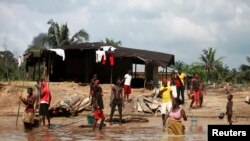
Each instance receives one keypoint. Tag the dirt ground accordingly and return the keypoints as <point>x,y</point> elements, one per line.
<point>67,128</point>
<point>214,101</point>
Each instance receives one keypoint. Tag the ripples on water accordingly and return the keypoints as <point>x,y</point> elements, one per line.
<point>149,131</point>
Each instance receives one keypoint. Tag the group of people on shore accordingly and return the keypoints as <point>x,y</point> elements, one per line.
<point>171,109</point>
<point>172,103</point>
<point>119,94</point>
<point>42,99</point>
<point>195,88</point>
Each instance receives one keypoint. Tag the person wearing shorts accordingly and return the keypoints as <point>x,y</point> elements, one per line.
<point>45,103</point>
<point>166,94</point>
<point>116,99</point>
<point>127,85</point>
<point>98,105</point>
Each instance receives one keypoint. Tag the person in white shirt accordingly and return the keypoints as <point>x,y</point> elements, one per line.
<point>127,85</point>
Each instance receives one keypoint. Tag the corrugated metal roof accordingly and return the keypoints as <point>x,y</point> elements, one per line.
<point>159,58</point>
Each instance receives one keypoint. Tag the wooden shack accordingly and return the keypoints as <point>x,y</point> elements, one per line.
<point>80,63</point>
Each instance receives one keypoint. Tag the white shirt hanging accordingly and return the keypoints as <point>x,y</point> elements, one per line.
<point>59,52</point>
<point>20,61</point>
<point>99,55</point>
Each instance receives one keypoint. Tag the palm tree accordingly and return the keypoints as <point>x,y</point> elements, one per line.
<point>246,69</point>
<point>59,35</point>
<point>209,61</point>
<point>222,73</point>
<point>179,64</point>
<point>112,42</point>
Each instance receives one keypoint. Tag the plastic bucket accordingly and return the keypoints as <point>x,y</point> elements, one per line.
<point>90,119</point>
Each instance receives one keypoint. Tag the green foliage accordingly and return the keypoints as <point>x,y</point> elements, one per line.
<point>194,68</point>
<point>179,64</point>
<point>59,35</point>
<point>245,70</point>
<point>208,61</point>
<point>8,66</point>
<point>218,72</point>
<point>111,42</point>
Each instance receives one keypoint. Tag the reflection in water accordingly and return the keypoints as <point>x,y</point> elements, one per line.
<point>148,131</point>
<point>47,136</point>
<point>31,136</point>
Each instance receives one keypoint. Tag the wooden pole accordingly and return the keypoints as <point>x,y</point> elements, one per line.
<point>145,75</point>
<point>111,77</point>
<point>39,67</point>
<point>49,68</point>
<point>167,72</point>
<point>135,70</point>
<point>34,72</point>
<point>19,105</point>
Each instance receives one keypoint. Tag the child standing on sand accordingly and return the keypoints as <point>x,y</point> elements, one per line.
<point>229,108</point>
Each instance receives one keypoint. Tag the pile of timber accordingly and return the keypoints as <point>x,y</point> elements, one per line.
<point>70,106</point>
<point>147,104</point>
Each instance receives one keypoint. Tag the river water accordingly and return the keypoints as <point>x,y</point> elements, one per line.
<point>72,129</point>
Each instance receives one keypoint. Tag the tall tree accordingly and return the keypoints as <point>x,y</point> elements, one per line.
<point>112,42</point>
<point>59,35</point>
<point>179,64</point>
<point>8,65</point>
<point>209,61</point>
<point>222,73</point>
<point>245,69</point>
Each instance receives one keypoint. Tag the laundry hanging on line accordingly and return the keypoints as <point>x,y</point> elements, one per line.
<point>105,54</point>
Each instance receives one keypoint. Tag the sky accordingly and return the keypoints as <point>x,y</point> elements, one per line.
<point>179,27</point>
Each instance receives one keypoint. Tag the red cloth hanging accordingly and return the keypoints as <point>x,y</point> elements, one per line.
<point>111,59</point>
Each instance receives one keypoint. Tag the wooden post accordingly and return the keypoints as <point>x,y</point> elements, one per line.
<point>34,72</point>
<point>135,70</point>
<point>145,75</point>
<point>49,69</point>
<point>111,76</point>
<point>39,67</point>
<point>167,72</point>
<point>87,67</point>
<point>19,105</point>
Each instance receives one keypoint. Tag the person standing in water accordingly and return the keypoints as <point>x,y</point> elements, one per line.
<point>116,99</point>
<point>98,105</point>
<point>166,104</point>
<point>29,113</point>
<point>174,117</point>
<point>45,100</point>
